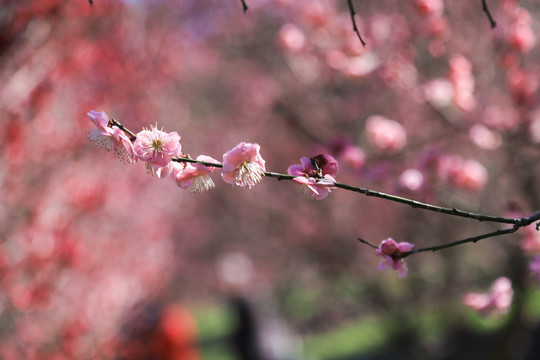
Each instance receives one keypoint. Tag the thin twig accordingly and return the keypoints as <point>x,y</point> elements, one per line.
<point>355,28</point>
<point>490,18</point>
<point>244,6</point>
<point>367,243</point>
<point>473,239</point>
<point>429,207</point>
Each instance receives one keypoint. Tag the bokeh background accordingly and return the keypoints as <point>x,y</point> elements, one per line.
<point>99,259</point>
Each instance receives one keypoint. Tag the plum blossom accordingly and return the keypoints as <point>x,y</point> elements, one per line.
<point>385,134</point>
<point>194,176</point>
<point>243,165</point>
<point>157,147</point>
<point>110,138</point>
<point>496,301</point>
<point>315,176</point>
<point>391,252</point>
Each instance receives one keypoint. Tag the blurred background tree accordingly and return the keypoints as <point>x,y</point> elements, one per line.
<point>438,107</point>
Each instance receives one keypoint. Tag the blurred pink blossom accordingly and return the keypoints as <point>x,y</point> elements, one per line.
<point>484,138</point>
<point>391,252</point>
<point>461,77</point>
<point>157,147</point>
<point>429,7</point>
<point>385,134</point>
<point>194,175</point>
<point>468,174</point>
<point>531,241</point>
<point>110,138</point>
<point>439,92</point>
<point>243,165</point>
<point>496,301</point>
<point>534,266</point>
<point>411,180</point>
<point>291,37</point>
<point>519,35</point>
<point>316,175</point>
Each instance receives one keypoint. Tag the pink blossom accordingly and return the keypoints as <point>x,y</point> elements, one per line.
<point>496,301</point>
<point>461,77</point>
<point>315,176</point>
<point>156,147</point>
<point>429,7</point>
<point>194,176</point>
<point>385,134</point>
<point>484,138</point>
<point>243,165</point>
<point>411,180</point>
<point>535,266</point>
<point>521,37</point>
<point>468,174</point>
<point>110,138</point>
<point>291,37</point>
<point>391,252</point>
<point>531,242</point>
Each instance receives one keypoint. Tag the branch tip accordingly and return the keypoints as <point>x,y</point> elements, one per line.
<point>485,8</point>
<point>244,6</point>
<point>355,28</point>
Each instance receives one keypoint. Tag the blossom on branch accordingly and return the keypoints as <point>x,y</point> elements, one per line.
<point>496,301</point>
<point>157,147</point>
<point>243,165</point>
<point>391,252</point>
<point>315,176</point>
<point>195,176</point>
<point>110,138</point>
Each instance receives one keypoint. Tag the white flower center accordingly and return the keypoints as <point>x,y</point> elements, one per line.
<point>248,174</point>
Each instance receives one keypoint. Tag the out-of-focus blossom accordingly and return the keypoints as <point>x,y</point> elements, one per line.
<point>411,180</point>
<point>461,77</point>
<point>501,118</point>
<point>534,266</point>
<point>195,176</point>
<point>291,37</point>
<point>429,7</point>
<point>521,84</point>
<point>243,165</point>
<point>316,176</point>
<point>496,301</point>
<point>534,128</point>
<point>385,134</point>
<point>342,149</point>
<point>519,35</point>
<point>110,138</point>
<point>157,147</point>
<point>468,174</point>
<point>531,241</point>
<point>439,92</point>
<point>484,138</point>
<point>391,251</point>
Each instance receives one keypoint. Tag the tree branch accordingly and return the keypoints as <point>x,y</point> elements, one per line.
<point>355,28</point>
<point>492,22</point>
<point>244,6</point>
<point>517,222</point>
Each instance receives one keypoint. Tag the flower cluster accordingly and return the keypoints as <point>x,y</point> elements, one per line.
<point>315,176</point>
<point>391,252</point>
<point>496,301</point>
